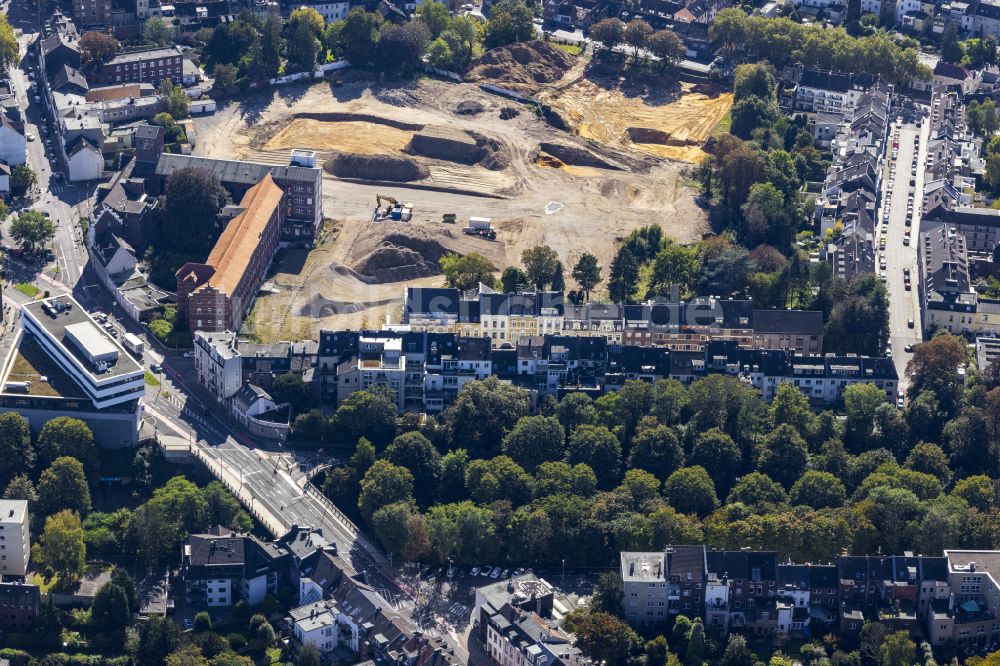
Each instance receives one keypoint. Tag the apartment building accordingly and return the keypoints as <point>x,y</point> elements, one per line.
<point>142,66</point>
<point>519,623</point>
<point>89,375</point>
<point>946,297</point>
<point>820,91</point>
<point>15,540</point>
<point>217,363</point>
<point>218,294</point>
<point>20,604</point>
<point>222,567</point>
<point>680,326</point>
<point>301,181</point>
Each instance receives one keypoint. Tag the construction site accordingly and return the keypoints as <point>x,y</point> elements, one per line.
<point>409,168</point>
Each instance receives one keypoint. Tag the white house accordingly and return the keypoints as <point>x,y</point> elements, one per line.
<point>12,141</point>
<point>330,11</point>
<point>316,624</point>
<point>84,160</point>
<point>15,542</point>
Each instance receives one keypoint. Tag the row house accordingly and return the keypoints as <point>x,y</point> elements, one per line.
<point>751,593</point>
<point>221,567</point>
<point>824,91</point>
<point>679,325</point>
<point>946,297</point>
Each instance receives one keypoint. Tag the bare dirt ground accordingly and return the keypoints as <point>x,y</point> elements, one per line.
<point>673,122</point>
<point>358,273</point>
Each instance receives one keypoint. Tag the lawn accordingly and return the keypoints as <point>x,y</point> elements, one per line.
<point>151,380</point>
<point>725,123</point>
<point>44,587</point>
<point>572,49</point>
<point>28,290</point>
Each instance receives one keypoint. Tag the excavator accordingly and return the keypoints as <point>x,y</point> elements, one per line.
<point>393,210</point>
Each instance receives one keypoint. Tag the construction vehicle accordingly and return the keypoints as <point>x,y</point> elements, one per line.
<point>482,227</point>
<point>449,218</point>
<point>393,210</point>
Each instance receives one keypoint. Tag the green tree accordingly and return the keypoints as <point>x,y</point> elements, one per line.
<point>8,45</point>
<point>694,653</point>
<point>605,638</point>
<point>184,502</point>
<point>750,114</point>
<point>66,436</point>
<point>466,272</point>
<point>513,279</point>
<point>929,459</point>
<point>31,229</point>
<point>224,80</point>
<point>173,100</point>
<point>157,638</point>
<point>463,531</point>
<point>390,524</point>
<point>690,490</point>
<point>860,403</point>
<point>155,31</point>
<point>587,273</point>
<point>303,45</point>
<point>359,36</point>
<point>667,46</point>
<point>370,414</point>
<point>110,612</point>
<point>951,50</point>
<point>675,267</point>
<point>609,595</point>
<point>510,21</point>
<point>482,413</point>
<point>540,263</point>
<point>261,633</point>
<point>757,491</point>
<point>499,478</point>
<point>95,48</point>
<point>718,454</point>
<point>63,486</point>
<point>384,484</point>
<point>534,440</point>
<point>222,508</point>
<point>819,490</point>
<point>17,455</point>
<point>435,15</point>
<point>897,650</point>
<point>61,546</point>
<point>790,406</point>
<point>609,33</point>
<point>783,456</point>
<point>416,453</point>
<point>656,651</point>
<point>753,80</point>
<point>637,34</point>
<point>934,366</point>
<point>20,487</point>
<point>22,177</point>
<point>977,491</point>
<point>737,652</point>
<point>291,388</point>
<point>194,199</point>
<point>554,478</point>
<point>656,449</point>
<point>597,448</point>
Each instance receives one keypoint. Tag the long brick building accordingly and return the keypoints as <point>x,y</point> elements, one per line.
<point>218,294</point>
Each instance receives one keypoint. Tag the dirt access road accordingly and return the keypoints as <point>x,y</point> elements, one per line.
<point>358,273</point>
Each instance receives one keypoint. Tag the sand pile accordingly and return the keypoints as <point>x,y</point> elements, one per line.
<point>576,156</point>
<point>401,257</point>
<point>525,62</point>
<point>376,167</point>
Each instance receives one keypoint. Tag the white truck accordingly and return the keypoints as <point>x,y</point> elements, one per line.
<point>133,343</point>
<point>482,227</point>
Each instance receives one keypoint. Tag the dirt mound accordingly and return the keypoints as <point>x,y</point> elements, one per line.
<point>469,107</point>
<point>468,148</point>
<point>336,117</point>
<point>376,167</point>
<point>441,144</point>
<point>576,156</point>
<point>320,306</point>
<point>400,257</point>
<point>509,112</point>
<point>525,62</point>
<point>648,135</point>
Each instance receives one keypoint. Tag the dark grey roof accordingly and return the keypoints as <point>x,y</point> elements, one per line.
<point>806,322</point>
<point>232,171</point>
<point>69,76</point>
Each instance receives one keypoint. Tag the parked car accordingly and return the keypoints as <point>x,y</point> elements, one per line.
<point>474,572</point>
<point>156,367</point>
<point>908,349</point>
<point>485,571</point>
<point>189,354</point>
<point>909,323</point>
<point>496,572</point>
<point>505,573</point>
<point>518,571</point>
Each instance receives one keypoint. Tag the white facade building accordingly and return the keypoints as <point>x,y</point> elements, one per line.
<point>218,363</point>
<point>15,541</point>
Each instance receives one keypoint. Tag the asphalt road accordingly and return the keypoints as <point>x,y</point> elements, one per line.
<point>903,305</point>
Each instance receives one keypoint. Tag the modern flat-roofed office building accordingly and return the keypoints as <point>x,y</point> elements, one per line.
<point>65,364</point>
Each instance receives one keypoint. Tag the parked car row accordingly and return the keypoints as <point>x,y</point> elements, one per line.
<point>495,572</point>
